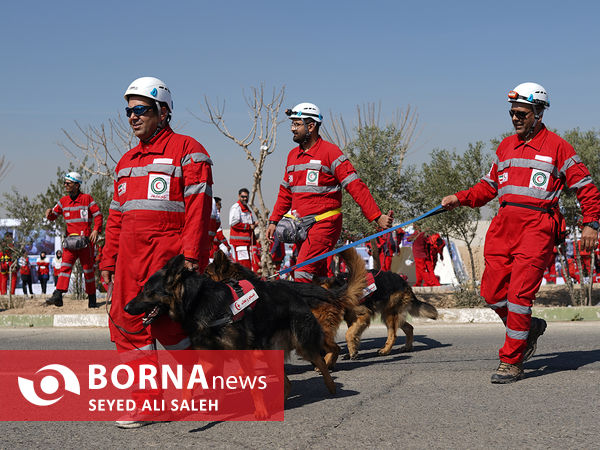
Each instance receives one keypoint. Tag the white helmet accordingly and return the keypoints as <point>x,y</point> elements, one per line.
<point>531,94</point>
<point>305,111</point>
<point>152,88</point>
<point>75,177</point>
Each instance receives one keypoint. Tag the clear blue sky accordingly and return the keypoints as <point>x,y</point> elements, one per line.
<point>67,61</point>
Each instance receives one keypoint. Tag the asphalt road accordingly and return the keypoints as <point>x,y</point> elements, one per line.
<point>438,396</point>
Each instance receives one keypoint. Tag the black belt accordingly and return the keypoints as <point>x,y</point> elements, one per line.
<point>523,205</point>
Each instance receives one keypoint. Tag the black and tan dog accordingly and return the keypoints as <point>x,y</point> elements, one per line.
<point>280,320</point>
<point>392,299</point>
<point>329,312</point>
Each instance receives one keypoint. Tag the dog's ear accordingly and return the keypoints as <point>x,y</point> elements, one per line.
<point>221,262</point>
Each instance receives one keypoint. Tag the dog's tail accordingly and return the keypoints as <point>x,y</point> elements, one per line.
<point>417,308</point>
<point>357,278</point>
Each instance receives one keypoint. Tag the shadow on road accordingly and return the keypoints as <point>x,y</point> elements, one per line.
<point>559,362</point>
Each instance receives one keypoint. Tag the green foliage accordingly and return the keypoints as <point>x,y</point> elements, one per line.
<point>375,155</point>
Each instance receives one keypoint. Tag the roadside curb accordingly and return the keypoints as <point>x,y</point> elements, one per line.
<point>446,315</point>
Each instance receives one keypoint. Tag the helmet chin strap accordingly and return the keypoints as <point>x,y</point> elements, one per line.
<point>160,126</point>
<point>537,117</point>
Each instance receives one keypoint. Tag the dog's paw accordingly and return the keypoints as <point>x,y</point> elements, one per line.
<point>383,352</point>
<point>405,349</point>
<point>261,414</point>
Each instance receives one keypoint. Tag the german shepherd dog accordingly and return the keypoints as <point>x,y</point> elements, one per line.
<point>392,299</point>
<point>328,312</point>
<point>280,320</point>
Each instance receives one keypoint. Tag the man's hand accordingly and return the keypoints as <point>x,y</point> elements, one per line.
<point>271,231</point>
<point>385,220</point>
<point>450,202</point>
<point>47,215</point>
<point>589,239</point>
<point>94,237</point>
<point>107,276</point>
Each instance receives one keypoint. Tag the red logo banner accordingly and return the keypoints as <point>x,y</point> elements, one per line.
<point>190,385</point>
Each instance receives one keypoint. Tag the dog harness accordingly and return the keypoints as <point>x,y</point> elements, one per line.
<point>371,287</point>
<point>243,295</point>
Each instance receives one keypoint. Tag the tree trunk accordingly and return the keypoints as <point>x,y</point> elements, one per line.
<point>472,259</point>
<point>564,269</point>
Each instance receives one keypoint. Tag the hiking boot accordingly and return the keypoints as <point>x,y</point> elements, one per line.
<point>536,329</point>
<point>56,299</point>
<point>507,373</point>
<point>92,301</point>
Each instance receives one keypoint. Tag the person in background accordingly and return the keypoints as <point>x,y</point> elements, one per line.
<point>241,229</point>
<point>25,270</point>
<point>43,269</point>
<point>55,265</point>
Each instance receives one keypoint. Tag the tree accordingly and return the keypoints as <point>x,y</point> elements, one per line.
<point>262,135</point>
<point>446,173</point>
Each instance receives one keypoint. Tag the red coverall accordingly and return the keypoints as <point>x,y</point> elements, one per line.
<point>388,247</point>
<point>436,247</point>
<point>423,265</point>
<point>312,184</point>
<point>78,214</point>
<point>5,263</point>
<point>241,234</point>
<point>217,241</point>
<point>520,241</point>
<point>161,207</point>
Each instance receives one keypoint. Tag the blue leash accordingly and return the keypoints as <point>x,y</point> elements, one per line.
<point>437,210</point>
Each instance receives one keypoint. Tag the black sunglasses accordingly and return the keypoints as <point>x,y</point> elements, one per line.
<point>138,110</point>
<point>521,115</point>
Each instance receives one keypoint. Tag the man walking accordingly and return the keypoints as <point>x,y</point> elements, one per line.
<point>529,173</point>
<point>161,208</point>
<point>79,211</point>
<point>241,229</point>
<point>315,173</point>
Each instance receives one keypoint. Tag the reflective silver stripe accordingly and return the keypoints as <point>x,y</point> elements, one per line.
<point>518,309</point>
<point>132,355</point>
<point>583,182</point>
<point>239,238</point>
<point>315,189</point>
<point>528,192</point>
<point>298,275</point>
<point>65,265</point>
<point>96,213</point>
<point>115,206</point>
<point>76,220</point>
<point>520,335</point>
<point>285,184</point>
<point>59,204</point>
<point>153,205</point>
<point>196,157</point>
<point>181,345</point>
<point>529,164</point>
<point>349,179</point>
<point>308,166</point>
<point>74,208</point>
<point>88,271</point>
<point>337,162</point>
<point>201,188</point>
<point>500,304</point>
<point>490,182</point>
<point>573,160</point>
<point>67,275</point>
<point>167,169</point>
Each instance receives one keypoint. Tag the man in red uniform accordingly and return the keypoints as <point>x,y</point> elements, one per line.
<point>79,210</point>
<point>8,268</point>
<point>316,171</point>
<point>529,173</point>
<point>241,230</point>
<point>161,207</point>
<point>388,247</point>
<point>422,256</point>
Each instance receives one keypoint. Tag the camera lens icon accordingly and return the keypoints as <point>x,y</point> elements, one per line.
<point>49,385</point>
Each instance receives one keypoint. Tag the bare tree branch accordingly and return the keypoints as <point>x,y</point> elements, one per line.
<point>263,131</point>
